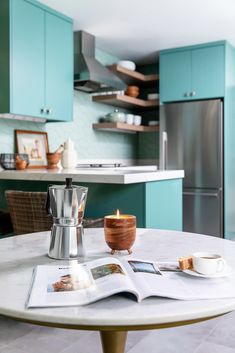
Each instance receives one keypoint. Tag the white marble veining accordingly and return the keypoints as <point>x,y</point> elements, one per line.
<point>107,176</point>
<point>18,256</point>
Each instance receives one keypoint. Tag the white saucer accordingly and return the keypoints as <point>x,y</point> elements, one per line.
<point>226,272</point>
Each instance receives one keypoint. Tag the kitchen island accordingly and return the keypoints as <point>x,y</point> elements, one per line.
<point>118,175</point>
<point>153,196</point>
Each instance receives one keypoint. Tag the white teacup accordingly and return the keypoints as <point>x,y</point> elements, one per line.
<point>207,263</point>
<point>137,119</point>
<point>130,119</point>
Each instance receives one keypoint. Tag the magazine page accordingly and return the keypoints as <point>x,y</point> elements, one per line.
<point>194,287</point>
<point>165,279</point>
<point>157,279</point>
<point>209,288</point>
<point>79,284</point>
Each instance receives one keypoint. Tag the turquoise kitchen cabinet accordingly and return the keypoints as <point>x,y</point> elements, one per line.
<point>175,75</point>
<point>59,69</point>
<point>192,73</point>
<point>36,59</point>
<point>156,204</point>
<point>27,62</point>
<point>164,204</point>
<point>208,72</point>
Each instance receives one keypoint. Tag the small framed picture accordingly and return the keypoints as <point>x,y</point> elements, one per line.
<point>35,144</point>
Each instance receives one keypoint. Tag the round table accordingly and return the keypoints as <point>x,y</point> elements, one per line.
<point>116,315</point>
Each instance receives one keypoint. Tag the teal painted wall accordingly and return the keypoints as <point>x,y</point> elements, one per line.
<point>7,127</point>
<point>103,199</point>
<point>148,144</point>
<point>89,143</point>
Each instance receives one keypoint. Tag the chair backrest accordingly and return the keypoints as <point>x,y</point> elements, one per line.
<point>93,222</point>
<point>27,210</point>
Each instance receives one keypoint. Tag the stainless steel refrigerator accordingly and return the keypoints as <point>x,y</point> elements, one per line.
<point>191,138</point>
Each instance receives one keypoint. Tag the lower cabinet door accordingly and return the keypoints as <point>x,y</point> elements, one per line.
<point>59,68</point>
<point>203,211</point>
<point>163,204</point>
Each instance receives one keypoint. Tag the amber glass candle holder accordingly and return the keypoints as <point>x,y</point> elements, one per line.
<point>120,232</point>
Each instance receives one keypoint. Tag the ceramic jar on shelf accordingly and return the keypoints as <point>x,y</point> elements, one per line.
<point>115,117</point>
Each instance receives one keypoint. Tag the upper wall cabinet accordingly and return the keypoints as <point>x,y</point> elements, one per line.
<point>194,73</point>
<point>59,68</point>
<point>36,59</point>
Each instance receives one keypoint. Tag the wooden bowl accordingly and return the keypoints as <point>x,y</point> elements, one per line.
<point>132,91</point>
<point>131,88</point>
<point>52,160</point>
<point>120,232</point>
<point>21,165</point>
<point>132,94</point>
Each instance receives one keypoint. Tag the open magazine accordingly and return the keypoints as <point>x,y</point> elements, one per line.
<point>91,281</point>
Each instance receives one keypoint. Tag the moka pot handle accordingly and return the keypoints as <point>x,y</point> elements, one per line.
<point>48,202</point>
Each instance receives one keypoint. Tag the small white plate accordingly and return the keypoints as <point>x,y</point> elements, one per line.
<point>226,272</point>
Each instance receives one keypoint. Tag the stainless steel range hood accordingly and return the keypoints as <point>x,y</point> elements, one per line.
<point>89,74</point>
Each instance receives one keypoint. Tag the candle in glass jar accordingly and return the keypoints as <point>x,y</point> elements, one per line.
<point>120,231</point>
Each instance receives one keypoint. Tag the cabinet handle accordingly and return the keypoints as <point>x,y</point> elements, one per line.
<point>42,110</point>
<point>48,110</point>
<point>187,94</point>
<point>193,93</point>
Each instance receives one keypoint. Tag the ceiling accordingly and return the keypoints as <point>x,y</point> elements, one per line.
<point>137,29</point>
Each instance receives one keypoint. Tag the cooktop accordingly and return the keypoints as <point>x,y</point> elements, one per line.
<point>100,165</point>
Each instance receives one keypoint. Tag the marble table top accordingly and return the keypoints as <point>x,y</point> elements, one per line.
<point>19,254</point>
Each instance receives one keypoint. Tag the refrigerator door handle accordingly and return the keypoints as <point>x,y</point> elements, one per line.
<point>164,150</point>
<point>201,194</point>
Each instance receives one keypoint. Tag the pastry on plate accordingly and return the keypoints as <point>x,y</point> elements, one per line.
<point>186,263</point>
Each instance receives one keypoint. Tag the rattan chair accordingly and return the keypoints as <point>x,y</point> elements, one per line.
<point>5,223</point>
<point>93,222</point>
<point>28,214</point>
<point>27,210</point>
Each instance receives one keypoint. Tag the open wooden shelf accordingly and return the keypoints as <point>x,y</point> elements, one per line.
<point>123,127</point>
<point>124,101</point>
<point>127,102</point>
<point>134,77</point>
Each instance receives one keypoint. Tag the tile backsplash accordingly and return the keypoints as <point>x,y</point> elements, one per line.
<point>91,143</point>
<point>7,128</point>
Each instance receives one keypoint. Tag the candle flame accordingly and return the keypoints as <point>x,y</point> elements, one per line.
<point>118,214</point>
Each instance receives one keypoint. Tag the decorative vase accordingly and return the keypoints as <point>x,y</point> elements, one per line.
<point>69,155</point>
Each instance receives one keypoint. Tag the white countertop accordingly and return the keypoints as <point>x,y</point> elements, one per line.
<point>19,255</point>
<point>123,175</point>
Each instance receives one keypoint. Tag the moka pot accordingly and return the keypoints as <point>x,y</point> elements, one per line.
<point>66,203</point>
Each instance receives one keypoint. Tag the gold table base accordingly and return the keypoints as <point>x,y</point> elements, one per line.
<point>113,341</point>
